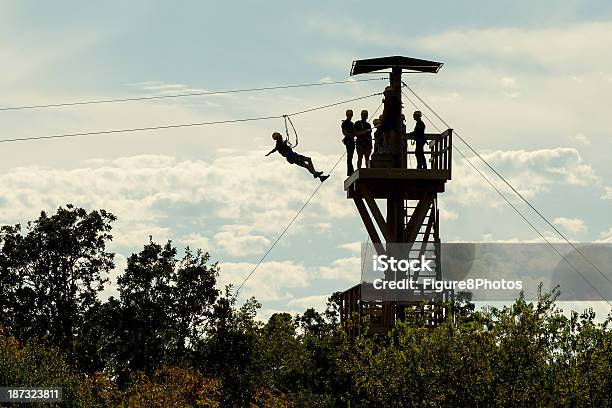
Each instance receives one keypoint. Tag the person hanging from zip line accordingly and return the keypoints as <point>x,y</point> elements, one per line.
<point>285,150</point>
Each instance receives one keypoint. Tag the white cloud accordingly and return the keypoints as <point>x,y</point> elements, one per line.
<point>236,240</point>
<point>607,194</point>
<point>346,269</point>
<point>555,47</point>
<point>573,225</point>
<point>271,281</point>
<point>197,241</point>
<point>324,227</point>
<point>510,87</point>
<point>317,302</point>
<point>111,287</point>
<point>135,233</point>
<point>142,191</point>
<point>601,308</point>
<point>582,139</point>
<point>490,239</point>
<point>264,314</point>
<point>513,94</point>
<point>162,88</point>
<point>563,161</point>
<point>606,237</point>
<point>446,213</point>
<point>530,172</point>
<point>354,247</point>
<point>491,68</point>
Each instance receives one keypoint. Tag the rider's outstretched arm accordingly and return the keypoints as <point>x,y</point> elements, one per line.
<point>271,151</point>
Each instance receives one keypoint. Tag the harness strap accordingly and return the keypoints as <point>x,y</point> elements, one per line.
<point>287,139</point>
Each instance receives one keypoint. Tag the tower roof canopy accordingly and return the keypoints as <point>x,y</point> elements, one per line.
<point>365,66</point>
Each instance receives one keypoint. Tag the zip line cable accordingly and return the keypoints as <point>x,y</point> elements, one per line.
<point>365,253</point>
<point>316,190</point>
<point>334,104</point>
<point>377,109</point>
<point>183,125</point>
<point>534,228</point>
<point>142,129</point>
<point>475,168</point>
<point>182,95</point>
<point>512,187</point>
<point>515,208</point>
<point>214,123</point>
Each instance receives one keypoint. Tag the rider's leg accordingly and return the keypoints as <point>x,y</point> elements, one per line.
<point>307,163</point>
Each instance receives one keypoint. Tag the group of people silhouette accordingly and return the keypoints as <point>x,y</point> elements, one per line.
<point>358,136</point>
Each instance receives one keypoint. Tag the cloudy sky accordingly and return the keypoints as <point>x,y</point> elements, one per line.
<point>526,83</point>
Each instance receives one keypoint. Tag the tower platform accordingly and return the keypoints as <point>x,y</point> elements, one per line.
<point>410,182</point>
<point>399,205</point>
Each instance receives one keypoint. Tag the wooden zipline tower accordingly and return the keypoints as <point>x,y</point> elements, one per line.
<point>411,198</point>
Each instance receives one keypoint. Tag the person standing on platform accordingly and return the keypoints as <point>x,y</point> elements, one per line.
<point>385,146</point>
<point>392,111</point>
<point>363,134</point>
<point>419,140</point>
<point>404,134</point>
<point>348,132</point>
<point>378,136</point>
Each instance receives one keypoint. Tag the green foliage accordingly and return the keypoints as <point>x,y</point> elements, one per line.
<point>173,339</point>
<point>524,355</point>
<point>171,387</point>
<point>228,350</point>
<point>163,308</point>
<point>37,365</point>
<point>51,274</point>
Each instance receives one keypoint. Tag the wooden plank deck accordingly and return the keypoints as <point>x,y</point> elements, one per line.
<point>398,175</point>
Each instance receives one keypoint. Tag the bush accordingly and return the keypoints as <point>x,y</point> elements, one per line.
<point>37,365</point>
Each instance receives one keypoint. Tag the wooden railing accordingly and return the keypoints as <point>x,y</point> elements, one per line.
<point>355,311</point>
<point>440,149</point>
